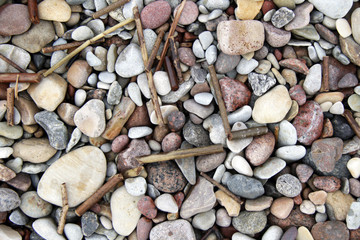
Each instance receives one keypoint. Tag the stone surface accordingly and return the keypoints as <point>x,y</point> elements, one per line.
<point>248,9</point>
<point>173,230</point>
<point>272,106</point>
<point>276,37</point>
<point>35,150</point>
<point>245,186</point>
<point>270,168</point>
<point>130,63</point>
<point>296,218</point>
<point>126,159</point>
<point>327,183</point>
<point>9,199</point>
<point>232,207</point>
<point>196,135</point>
<point>78,73</point>
<point>330,230</point>
<point>312,81</point>
<point>353,217</point>
<point>260,83</point>
<point>333,8</point>
<point>282,207</point>
<point>250,222</point>
<point>74,168</point>
<point>350,48</point>
<point>240,37</point>
<point>14,19</point>
<point>46,228</point>
<point>54,10</point>
<point>235,94</point>
<point>147,207</point>
<point>338,205</point>
<point>135,186</point>
<point>282,17</point>
<point>155,14</point>
<point>288,185</point>
<point>89,223</point>
<point>189,13</point>
<point>260,149</point>
<point>33,206</point>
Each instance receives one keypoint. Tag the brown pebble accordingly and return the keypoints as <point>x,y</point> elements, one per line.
<point>139,117</point>
<point>328,129</point>
<point>281,207</point>
<point>160,132</point>
<point>296,218</point>
<point>119,143</point>
<point>260,149</point>
<point>330,230</point>
<point>327,183</point>
<point>171,142</point>
<point>22,182</point>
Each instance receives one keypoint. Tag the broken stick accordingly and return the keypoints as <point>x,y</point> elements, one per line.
<point>10,62</point>
<point>109,8</point>
<point>33,11</point>
<point>175,58</point>
<point>154,51</point>
<point>67,46</point>
<point>250,132</point>
<point>20,77</point>
<point>10,99</point>
<point>65,209</point>
<point>353,124</point>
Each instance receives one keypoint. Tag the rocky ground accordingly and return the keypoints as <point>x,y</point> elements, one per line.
<point>287,70</point>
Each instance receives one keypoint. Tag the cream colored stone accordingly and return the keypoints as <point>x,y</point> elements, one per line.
<point>54,10</point>
<point>248,9</point>
<point>34,150</point>
<point>7,233</point>
<point>304,234</point>
<point>232,207</point>
<point>343,27</point>
<point>165,111</point>
<point>354,167</point>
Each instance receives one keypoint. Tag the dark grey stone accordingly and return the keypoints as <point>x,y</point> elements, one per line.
<point>225,63</point>
<point>196,135</point>
<point>55,129</point>
<point>282,17</point>
<point>244,186</point>
<point>89,223</point>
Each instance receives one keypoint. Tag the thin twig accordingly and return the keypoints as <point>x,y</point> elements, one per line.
<point>65,209</point>
<point>10,62</point>
<point>20,77</point>
<point>171,33</point>
<point>176,59</point>
<point>353,124</point>
<point>154,51</point>
<point>85,44</point>
<point>109,8</point>
<point>171,73</point>
<point>325,76</point>
<point>250,132</point>
<point>221,187</point>
<point>67,46</point>
<point>220,101</point>
<point>10,106</point>
<point>17,87</point>
<point>33,11</point>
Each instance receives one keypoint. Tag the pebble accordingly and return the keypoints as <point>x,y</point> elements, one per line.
<point>209,162</point>
<point>291,153</point>
<point>155,14</point>
<point>272,106</point>
<point>130,63</point>
<point>197,49</point>
<point>240,236</point>
<point>245,186</point>
<point>282,17</point>
<point>189,13</point>
<point>270,168</point>
<point>125,214</point>
<point>198,109</point>
<point>82,33</point>
<point>222,218</point>
<point>34,150</point>
<point>49,92</point>
<point>288,185</point>
<point>235,94</point>
<point>330,230</point>
<point>225,63</point>
<point>187,165</point>
<point>135,186</point>
<point>33,206</point>
<point>54,10</point>
<point>307,207</point>
<point>304,172</point>
<point>260,149</point>
<point>211,54</point>
<point>73,231</point>
<point>203,98</point>
<point>139,132</point>
<point>248,9</point>
<point>353,217</point>
<point>327,183</point>
<point>251,36</point>
<point>242,166</point>
<point>333,8</point>
<point>201,199</point>
<point>273,233</point>
<point>74,168</point>
<point>304,233</point>
<point>176,121</point>
<point>89,223</point>
<point>246,66</point>
<point>312,81</point>
<point>114,94</point>
<point>92,60</point>
<point>337,108</point>
<point>18,218</point>
<point>162,83</point>
<point>186,56</point>
<point>302,16</point>
<point>287,134</point>
<point>214,125</point>
<point>9,199</point>
<point>171,142</point>
<point>290,234</point>
<point>126,158</point>
<point>354,167</point>
<point>282,207</point>
<point>205,220</point>
<point>172,230</point>
<point>349,47</point>
<point>260,83</point>
<point>353,102</point>
<point>46,228</point>
<point>147,207</point>
<point>250,222</point>
<point>276,37</point>
<point>14,20</point>
<point>175,96</point>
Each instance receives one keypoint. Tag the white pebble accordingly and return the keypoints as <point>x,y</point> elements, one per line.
<point>166,203</point>
<point>203,98</point>
<point>139,132</point>
<point>291,153</point>
<point>354,167</point>
<point>107,224</point>
<point>222,218</point>
<point>273,233</point>
<point>106,147</point>
<point>136,186</point>
<point>5,152</point>
<point>103,85</point>
<point>211,54</point>
<point>92,60</point>
<point>143,84</point>
<point>287,134</point>
<point>307,207</point>
<point>242,166</point>
<point>219,172</point>
<point>337,108</point>
<point>15,164</point>
<point>325,106</point>
<point>107,77</point>
<point>197,49</point>
<point>343,27</point>
<point>135,94</point>
<point>92,79</point>
<point>80,97</point>
<point>162,83</point>
<point>73,231</point>
<point>242,114</point>
<point>206,38</point>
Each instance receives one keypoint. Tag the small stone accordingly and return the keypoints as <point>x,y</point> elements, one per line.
<point>327,183</point>
<point>291,153</point>
<point>235,94</point>
<point>222,218</point>
<point>225,63</point>
<point>288,185</point>
<point>82,33</point>
<point>176,121</point>
<point>337,108</point>
<point>270,168</point>
<point>302,16</point>
<point>273,233</point>
<point>281,207</point>
<point>242,166</point>
<point>197,49</point>
<point>130,62</point>
<point>353,102</point>
<point>343,27</point>
<point>250,222</point>
<point>276,37</point>
<point>304,172</point>
<point>177,229</point>
<point>206,39</point>
<point>171,142</point>
<point>54,10</point>
<point>135,186</point>
<point>198,109</point>
<point>203,98</point>
<point>92,60</point>
<point>245,186</point>
<point>354,167</point>
<point>349,47</point>
<point>166,203</point>
<point>189,13</point>
<point>33,206</point>
<point>124,211</point>
<point>304,233</point>
<point>312,81</point>
<point>114,94</point>
<point>205,220</point>
<point>73,231</point>
<point>143,228</point>
<point>35,150</point>
<point>330,230</point>
<point>260,149</point>
<point>232,207</point>
<point>175,96</point>
<point>295,64</point>
<point>196,135</point>
<point>290,234</point>
<point>46,228</point>
<point>307,207</point>
<point>246,66</point>
<point>55,129</point>
<point>9,199</point>
<point>126,159</point>
<point>349,80</point>
<point>282,17</point>
<point>139,132</point>
<point>155,14</point>
<point>80,98</point>
<point>162,83</point>
<point>147,207</point>
<point>240,37</point>
<point>209,162</point>
<point>186,56</point>
<point>216,129</point>
<point>66,112</point>
<point>354,187</point>
<point>308,32</point>
<point>211,54</point>
<point>14,19</point>
<point>187,165</point>
<point>353,217</point>
<point>260,83</point>
<point>18,218</point>
<point>89,223</point>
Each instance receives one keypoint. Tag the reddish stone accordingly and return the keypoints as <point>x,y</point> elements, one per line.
<point>3,217</point>
<point>290,234</point>
<point>235,93</point>
<point>330,230</point>
<point>354,187</point>
<point>230,11</point>
<point>227,232</point>
<point>140,117</point>
<point>327,34</point>
<point>187,56</point>
<point>304,172</point>
<point>298,94</point>
<point>337,71</point>
<point>143,228</point>
<point>267,6</point>
<point>171,142</point>
<point>189,13</point>
<point>297,200</point>
<point>179,198</point>
<point>328,129</point>
<point>155,14</point>
<point>355,234</point>
<point>14,19</point>
<point>327,183</point>
<point>295,64</point>
<point>176,121</point>
<point>278,54</point>
<point>22,181</point>
<point>260,149</point>
<point>309,122</point>
<point>147,207</point>
<point>296,218</point>
<point>126,159</point>
<point>119,143</point>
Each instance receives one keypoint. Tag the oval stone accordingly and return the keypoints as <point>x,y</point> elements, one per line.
<point>83,170</point>
<point>14,19</point>
<point>155,14</point>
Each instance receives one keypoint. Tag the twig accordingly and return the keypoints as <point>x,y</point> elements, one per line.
<point>65,209</point>
<point>22,77</point>
<point>353,124</point>
<point>221,187</point>
<point>85,44</point>
<point>10,106</point>
<point>175,58</point>
<point>17,87</point>
<point>171,72</point>
<point>220,101</point>
<point>67,46</point>
<point>171,32</point>
<point>154,96</point>
<point>325,76</point>
<point>154,51</point>
<point>276,132</point>
<point>250,132</point>
<point>109,8</point>
<point>181,153</point>
<point>33,11</point>
<point>10,62</point>
<point>110,184</point>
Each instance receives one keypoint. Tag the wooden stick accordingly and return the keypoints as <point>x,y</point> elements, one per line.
<point>250,132</point>
<point>154,96</point>
<point>220,101</point>
<point>16,89</point>
<point>65,209</point>
<point>171,32</point>
<point>109,8</point>
<point>154,51</point>
<point>171,72</point>
<point>221,187</point>
<point>325,76</point>
<point>110,184</point>
<point>176,60</point>
<point>67,46</point>
<point>10,62</point>
<point>10,106</point>
<point>181,153</point>
<point>33,11</point>
<point>85,44</point>
<point>22,77</point>
<point>353,124</point>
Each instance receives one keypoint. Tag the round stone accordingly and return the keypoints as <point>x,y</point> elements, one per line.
<point>135,186</point>
<point>288,185</point>
<point>250,222</point>
<point>155,14</point>
<point>33,206</point>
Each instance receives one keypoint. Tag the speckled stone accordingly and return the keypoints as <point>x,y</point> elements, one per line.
<point>330,230</point>
<point>244,186</point>
<point>288,185</point>
<point>147,207</point>
<point>250,222</point>
<point>235,94</point>
<point>327,183</point>
<point>126,159</point>
<point>155,14</point>
<point>260,149</point>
